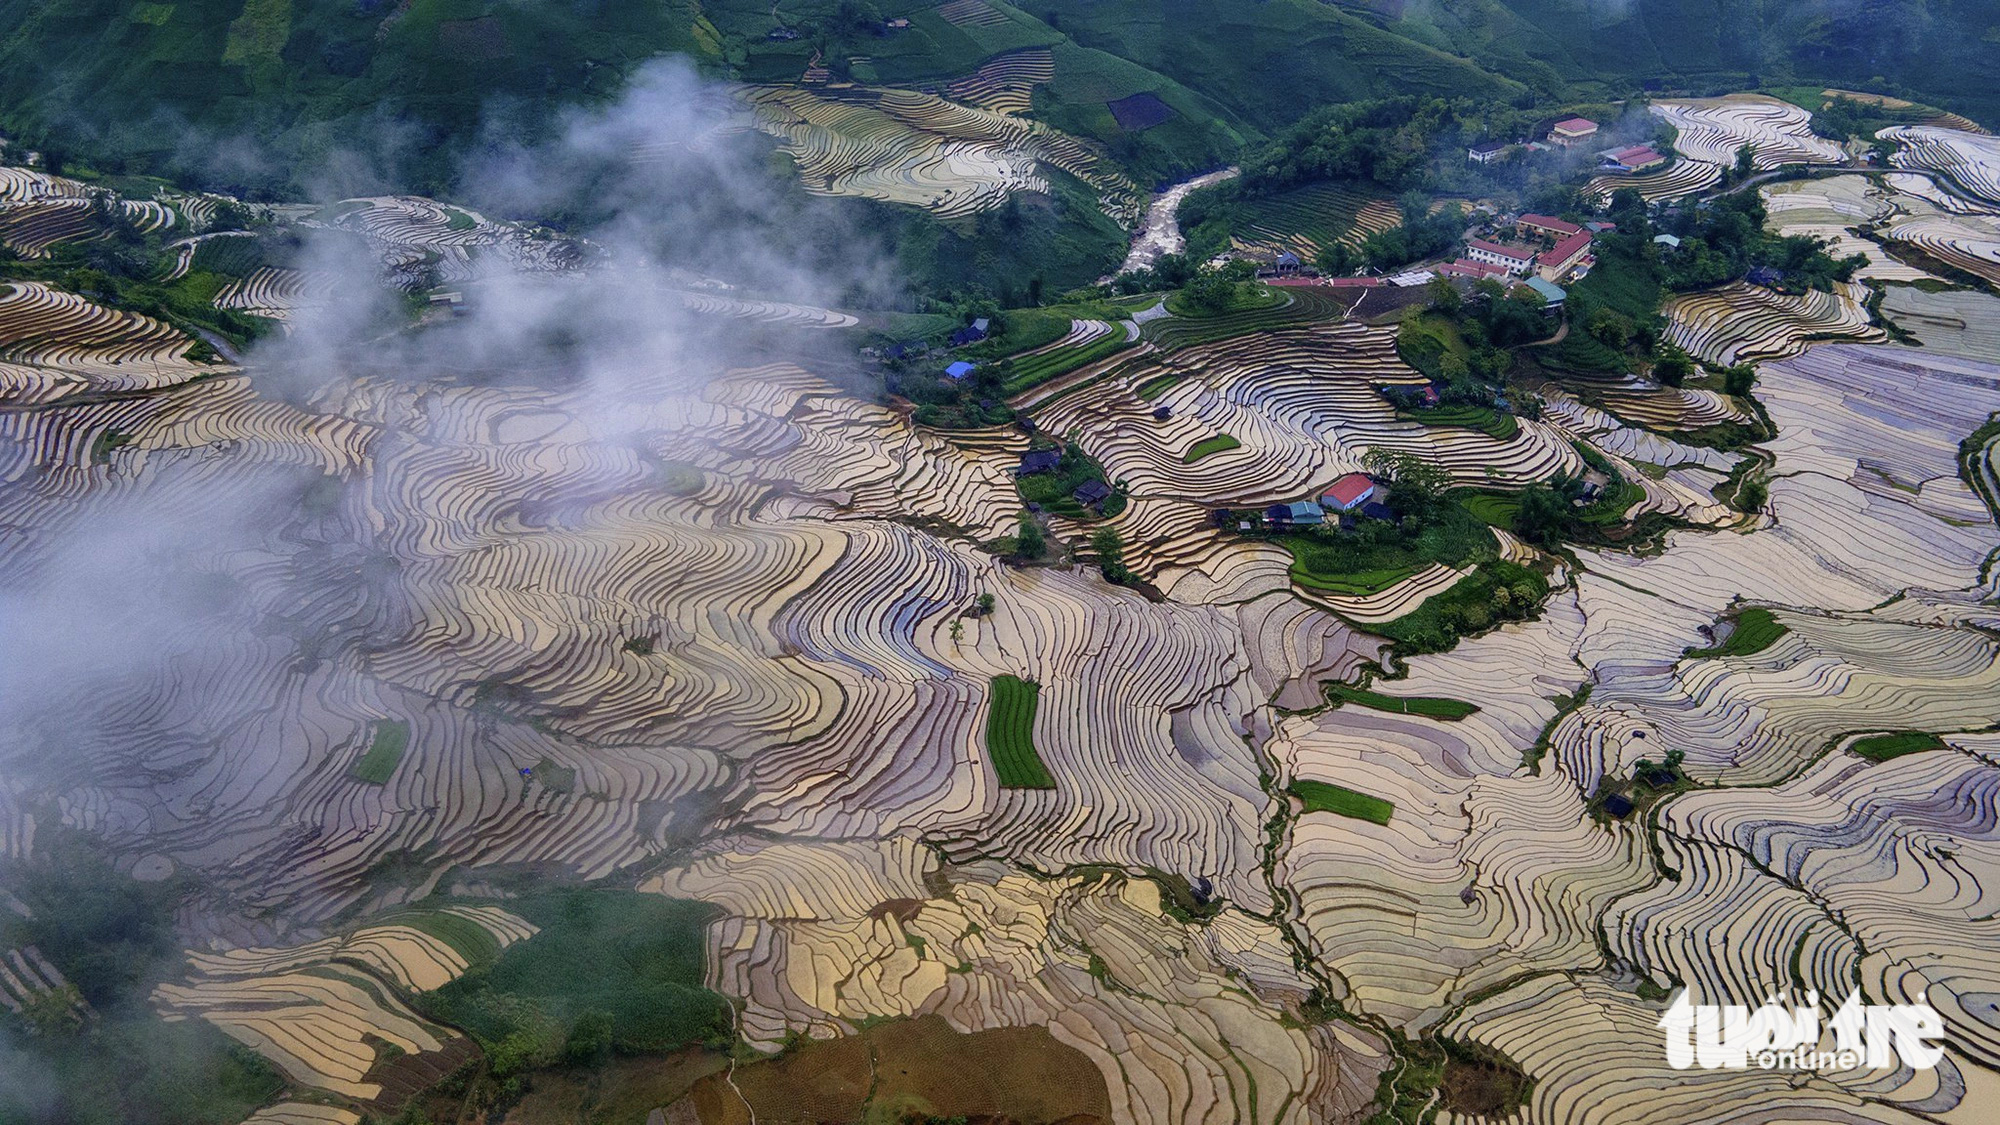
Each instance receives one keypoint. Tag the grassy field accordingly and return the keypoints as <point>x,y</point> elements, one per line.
<point>1755,630</point>
<point>1883,747</point>
<point>1249,298</point>
<point>391,737</point>
<point>1010,734</point>
<point>1431,707</point>
<point>1220,443</point>
<point>1497,509</point>
<point>1319,796</point>
<point>1494,423</point>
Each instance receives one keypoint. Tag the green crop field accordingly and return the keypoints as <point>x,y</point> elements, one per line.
<point>1431,707</point>
<point>1756,630</point>
<point>1308,218</point>
<point>1033,371</point>
<point>385,752</point>
<point>1883,747</point>
<point>1220,443</point>
<point>1319,796</point>
<point>1010,734</point>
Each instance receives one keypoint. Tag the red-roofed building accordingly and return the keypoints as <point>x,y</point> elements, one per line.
<point>1466,267</point>
<point>1572,131</point>
<point>1513,259</point>
<point>1349,492</point>
<point>1569,255</point>
<point>1637,158</point>
<point>1548,225</point>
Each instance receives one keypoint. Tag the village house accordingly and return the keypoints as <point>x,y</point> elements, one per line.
<point>1548,226</point>
<point>1091,494</point>
<point>1573,130</point>
<point>1299,513</point>
<point>1552,295</point>
<point>1514,259</point>
<point>1349,492</point>
<point>1625,161</point>
<point>1038,461</point>
<point>1471,270</point>
<point>971,333</point>
<point>960,370</point>
<point>1571,255</point>
<point>1486,152</point>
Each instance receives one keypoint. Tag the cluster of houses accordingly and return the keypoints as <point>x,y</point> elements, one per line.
<point>1566,257</point>
<point>1090,494</point>
<point>1354,495</point>
<point>1574,132</point>
<point>916,349</point>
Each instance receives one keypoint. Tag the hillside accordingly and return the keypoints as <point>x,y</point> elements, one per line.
<point>1944,54</point>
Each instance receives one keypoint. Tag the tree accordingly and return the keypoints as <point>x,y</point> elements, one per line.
<point>1444,296</point>
<point>1610,328</point>
<point>1110,548</point>
<point>1417,485</point>
<point>1211,291</point>
<point>1031,544</point>
<point>1542,515</point>
<point>1337,260</point>
<point>985,604</point>
<point>1746,161</point>
<point>1672,370</point>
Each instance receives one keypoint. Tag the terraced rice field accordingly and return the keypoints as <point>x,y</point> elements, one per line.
<point>33,229</point>
<point>1831,209</point>
<point>1971,161</point>
<point>277,292</point>
<point>1958,322</point>
<point>1004,83</point>
<point>903,146</point>
<point>1712,130</point>
<point>1307,220</point>
<point>711,624</point>
<point>59,344</point>
<point>1683,177</point>
<point>1744,323</point>
<point>1970,243</point>
<point>318,1011</point>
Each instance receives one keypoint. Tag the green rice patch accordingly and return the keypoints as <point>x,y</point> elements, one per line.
<point>1320,796</point>
<point>391,737</point>
<point>152,15</point>
<point>1431,707</point>
<point>1010,734</point>
<point>1220,443</point>
<point>1756,630</point>
<point>1883,747</point>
